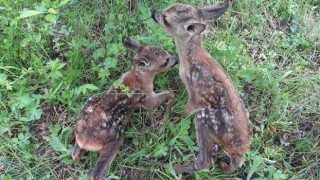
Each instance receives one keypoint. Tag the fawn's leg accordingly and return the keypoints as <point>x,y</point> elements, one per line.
<point>204,142</point>
<point>188,110</point>
<point>77,152</point>
<point>154,100</point>
<point>235,163</point>
<point>106,156</point>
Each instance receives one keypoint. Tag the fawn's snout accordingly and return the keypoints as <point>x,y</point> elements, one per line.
<point>176,59</point>
<point>153,15</point>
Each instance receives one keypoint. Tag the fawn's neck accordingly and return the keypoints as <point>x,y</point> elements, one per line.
<point>135,79</point>
<point>190,47</point>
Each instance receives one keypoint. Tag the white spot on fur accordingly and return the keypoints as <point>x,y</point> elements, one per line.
<point>203,114</point>
<point>226,116</point>
<point>215,127</point>
<point>103,115</point>
<point>222,99</point>
<point>89,109</point>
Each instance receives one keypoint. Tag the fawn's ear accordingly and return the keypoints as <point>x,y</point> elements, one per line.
<point>131,44</point>
<point>195,28</point>
<point>214,11</point>
<point>140,62</point>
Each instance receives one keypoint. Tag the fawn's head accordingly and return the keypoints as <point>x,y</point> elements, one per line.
<point>183,21</point>
<point>150,59</point>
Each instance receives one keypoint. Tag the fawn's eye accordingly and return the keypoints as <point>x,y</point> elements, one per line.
<point>165,64</point>
<point>165,20</point>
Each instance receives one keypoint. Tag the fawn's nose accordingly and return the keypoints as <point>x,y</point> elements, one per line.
<point>177,61</point>
<point>153,15</point>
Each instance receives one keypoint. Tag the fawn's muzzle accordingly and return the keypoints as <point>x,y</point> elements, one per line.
<point>177,60</point>
<point>153,15</point>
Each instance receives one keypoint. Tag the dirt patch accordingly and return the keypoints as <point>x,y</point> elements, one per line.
<point>133,174</point>
<point>52,115</point>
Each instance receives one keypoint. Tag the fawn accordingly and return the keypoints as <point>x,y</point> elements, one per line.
<point>102,120</point>
<point>220,114</point>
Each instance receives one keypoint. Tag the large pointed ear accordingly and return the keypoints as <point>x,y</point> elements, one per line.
<point>131,44</point>
<point>214,11</point>
<point>195,28</point>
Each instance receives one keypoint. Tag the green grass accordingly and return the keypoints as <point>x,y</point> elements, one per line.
<point>50,63</point>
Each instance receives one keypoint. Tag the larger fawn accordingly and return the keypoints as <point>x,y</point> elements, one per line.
<point>102,120</point>
<point>220,114</point>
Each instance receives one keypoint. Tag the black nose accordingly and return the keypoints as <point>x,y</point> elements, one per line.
<point>153,14</point>
<point>177,60</point>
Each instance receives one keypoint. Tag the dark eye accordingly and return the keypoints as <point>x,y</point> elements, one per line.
<point>165,64</point>
<point>165,20</point>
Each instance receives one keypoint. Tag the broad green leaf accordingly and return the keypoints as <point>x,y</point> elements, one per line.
<point>6,177</point>
<point>278,175</point>
<point>83,89</point>
<point>15,140</point>
<point>51,10</point>
<point>54,129</point>
<point>22,100</point>
<point>98,53</point>
<point>173,140</point>
<point>160,150</point>
<point>271,170</point>
<point>4,129</point>
<point>187,157</point>
<point>3,79</point>
<point>171,170</point>
<point>41,8</point>
<point>55,67</point>
<point>187,140</point>
<point>8,86</point>
<point>20,136</point>
<point>255,166</point>
<point>302,144</point>
<point>108,27</point>
<point>56,144</point>
<point>35,113</point>
<point>110,62</point>
<point>51,18</point>
<point>29,13</point>
<point>65,158</point>
<point>63,2</point>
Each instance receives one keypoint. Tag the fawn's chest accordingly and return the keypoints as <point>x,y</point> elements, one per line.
<point>194,74</point>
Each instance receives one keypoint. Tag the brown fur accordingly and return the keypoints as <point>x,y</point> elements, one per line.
<point>102,120</point>
<point>220,114</point>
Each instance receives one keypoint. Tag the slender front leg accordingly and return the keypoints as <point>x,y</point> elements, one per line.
<point>235,163</point>
<point>106,156</point>
<point>77,152</point>
<point>154,100</point>
<point>189,109</point>
<point>204,142</point>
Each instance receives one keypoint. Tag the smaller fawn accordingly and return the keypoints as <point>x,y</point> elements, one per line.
<point>102,120</point>
<point>220,114</point>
